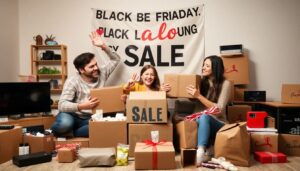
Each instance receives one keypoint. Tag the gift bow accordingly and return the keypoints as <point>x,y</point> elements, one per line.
<point>154,155</point>
<point>211,111</point>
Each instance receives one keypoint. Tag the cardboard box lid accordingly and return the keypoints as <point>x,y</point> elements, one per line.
<point>147,95</point>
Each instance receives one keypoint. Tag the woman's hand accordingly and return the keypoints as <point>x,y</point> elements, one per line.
<point>124,98</point>
<point>134,78</point>
<point>96,40</point>
<point>165,87</point>
<point>192,91</point>
<point>91,103</point>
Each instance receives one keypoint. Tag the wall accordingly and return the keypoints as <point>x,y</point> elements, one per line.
<point>268,29</point>
<point>9,42</point>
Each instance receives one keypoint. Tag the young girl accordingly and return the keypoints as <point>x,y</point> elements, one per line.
<point>147,81</point>
<point>214,92</point>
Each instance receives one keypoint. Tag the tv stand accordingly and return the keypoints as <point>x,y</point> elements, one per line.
<point>47,121</point>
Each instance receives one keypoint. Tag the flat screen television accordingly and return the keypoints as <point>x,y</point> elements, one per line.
<point>19,98</point>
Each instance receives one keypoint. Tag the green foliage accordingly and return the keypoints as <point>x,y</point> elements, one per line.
<point>48,70</point>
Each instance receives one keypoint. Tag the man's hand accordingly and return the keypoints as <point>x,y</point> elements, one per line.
<point>90,104</point>
<point>96,40</point>
<point>165,87</point>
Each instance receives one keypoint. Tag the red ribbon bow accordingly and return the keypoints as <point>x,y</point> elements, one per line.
<point>154,151</point>
<point>211,111</point>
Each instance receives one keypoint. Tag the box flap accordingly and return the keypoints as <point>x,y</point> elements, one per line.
<point>147,95</point>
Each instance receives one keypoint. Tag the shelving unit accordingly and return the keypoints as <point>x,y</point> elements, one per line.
<point>37,63</point>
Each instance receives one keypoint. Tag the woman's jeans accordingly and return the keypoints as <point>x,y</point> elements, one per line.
<point>68,123</point>
<point>208,127</point>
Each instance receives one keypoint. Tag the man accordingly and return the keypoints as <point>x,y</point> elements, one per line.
<point>75,103</point>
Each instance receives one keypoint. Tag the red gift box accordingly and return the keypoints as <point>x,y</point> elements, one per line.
<point>268,157</point>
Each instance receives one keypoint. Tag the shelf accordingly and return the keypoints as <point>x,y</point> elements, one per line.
<point>48,62</point>
<point>51,75</point>
<point>48,46</point>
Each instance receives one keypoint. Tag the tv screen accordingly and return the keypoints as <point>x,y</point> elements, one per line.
<point>24,98</point>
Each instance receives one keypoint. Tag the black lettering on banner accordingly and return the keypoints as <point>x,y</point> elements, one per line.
<point>175,55</point>
<point>144,58</point>
<point>132,55</point>
<point>159,62</point>
<point>143,17</point>
<point>135,116</point>
<point>98,14</point>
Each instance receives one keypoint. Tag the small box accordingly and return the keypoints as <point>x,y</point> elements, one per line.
<point>66,155</point>
<point>256,119</point>
<point>83,142</point>
<point>268,157</point>
<point>188,157</point>
<point>107,133</point>
<point>179,82</point>
<point>264,141</point>
<point>107,95</point>
<point>147,107</point>
<point>40,144</point>
<point>290,93</point>
<point>160,156</point>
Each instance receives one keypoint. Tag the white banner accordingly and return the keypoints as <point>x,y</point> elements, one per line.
<point>171,40</point>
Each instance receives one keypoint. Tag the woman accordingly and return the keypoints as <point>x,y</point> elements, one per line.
<point>214,92</point>
<point>147,81</point>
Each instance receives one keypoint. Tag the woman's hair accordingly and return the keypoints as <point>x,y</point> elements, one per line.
<point>156,83</point>
<point>217,68</point>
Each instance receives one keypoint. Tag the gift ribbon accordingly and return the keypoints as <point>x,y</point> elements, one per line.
<point>274,158</point>
<point>154,151</point>
<point>267,142</point>
<point>211,111</point>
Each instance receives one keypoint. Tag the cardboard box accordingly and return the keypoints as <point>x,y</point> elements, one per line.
<point>237,113</point>
<point>187,134</point>
<point>289,144</point>
<point>83,142</point>
<point>179,82</point>
<point>9,143</point>
<point>290,93</point>
<point>268,157</point>
<point>239,92</point>
<point>264,141</point>
<point>188,157</point>
<point>107,95</point>
<point>270,122</point>
<point>147,107</point>
<point>160,156</point>
<point>141,132</point>
<point>40,144</point>
<point>66,155</point>
<point>107,133</point>
<point>237,68</point>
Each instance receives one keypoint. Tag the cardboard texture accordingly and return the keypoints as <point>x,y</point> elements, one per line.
<point>9,143</point>
<point>66,155</point>
<point>141,132</point>
<point>107,133</point>
<point>268,157</point>
<point>264,141</point>
<point>187,134</point>
<point>290,93</point>
<point>289,144</point>
<point>188,158</point>
<point>239,92</point>
<point>40,144</point>
<point>179,82</point>
<point>161,156</point>
<point>237,113</point>
<point>110,99</point>
<point>83,142</point>
<point>147,107</point>
<point>237,68</point>
<point>233,143</point>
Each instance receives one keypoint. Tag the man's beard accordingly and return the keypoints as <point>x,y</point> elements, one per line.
<point>92,76</point>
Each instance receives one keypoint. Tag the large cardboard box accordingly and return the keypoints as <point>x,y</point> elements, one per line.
<point>110,99</point>
<point>179,82</point>
<point>264,141</point>
<point>160,156</point>
<point>187,134</point>
<point>9,143</point>
<point>142,132</point>
<point>83,142</point>
<point>237,113</point>
<point>237,68</point>
<point>239,92</point>
<point>40,144</point>
<point>290,93</point>
<point>107,133</point>
<point>147,107</point>
<point>289,144</point>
